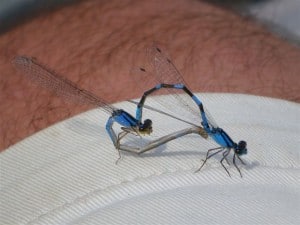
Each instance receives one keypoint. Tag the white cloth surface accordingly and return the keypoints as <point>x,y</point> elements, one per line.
<point>66,174</point>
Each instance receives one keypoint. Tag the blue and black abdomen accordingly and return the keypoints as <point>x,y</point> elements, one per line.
<point>124,118</point>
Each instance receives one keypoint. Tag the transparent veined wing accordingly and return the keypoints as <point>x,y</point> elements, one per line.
<point>159,68</point>
<point>49,79</point>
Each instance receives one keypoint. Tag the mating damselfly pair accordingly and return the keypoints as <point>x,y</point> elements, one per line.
<point>162,75</point>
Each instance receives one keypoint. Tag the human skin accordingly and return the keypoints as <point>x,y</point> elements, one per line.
<point>94,41</point>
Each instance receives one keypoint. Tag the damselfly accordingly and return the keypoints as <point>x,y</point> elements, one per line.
<point>168,77</point>
<point>65,88</point>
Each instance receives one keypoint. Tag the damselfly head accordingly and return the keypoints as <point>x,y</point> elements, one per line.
<point>146,127</point>
<point>241,148</point>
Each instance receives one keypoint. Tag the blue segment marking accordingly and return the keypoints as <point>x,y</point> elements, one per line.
<point>178,86</point>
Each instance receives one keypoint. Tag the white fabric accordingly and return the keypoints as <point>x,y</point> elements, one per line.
<point>66,174</point>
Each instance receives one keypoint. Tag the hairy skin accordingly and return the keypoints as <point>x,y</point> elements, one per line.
<point>93,41</point>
